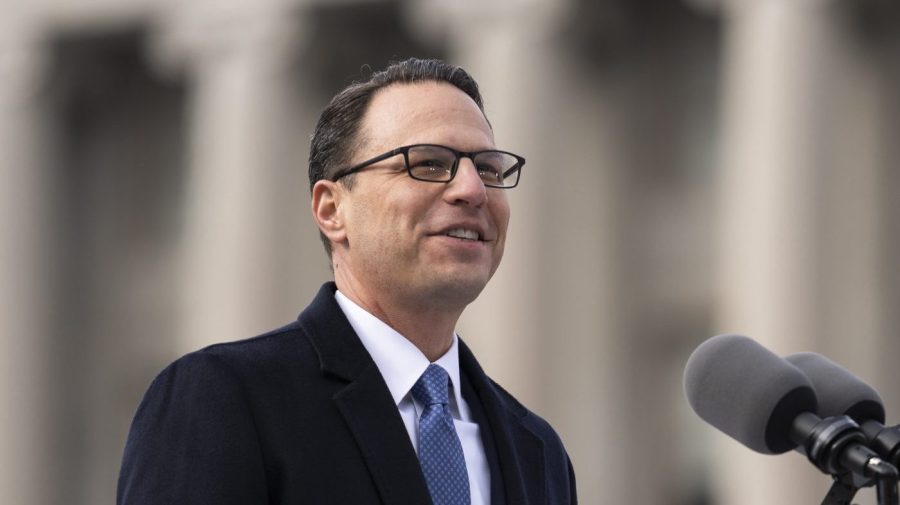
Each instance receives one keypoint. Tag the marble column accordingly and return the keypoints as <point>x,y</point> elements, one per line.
<point>25,270</point>
<point>858,281</point>
<point>776,58</point>
<point>858,269</point>
<point>245,191</point>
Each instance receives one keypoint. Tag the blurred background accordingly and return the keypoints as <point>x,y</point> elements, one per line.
<point>694,167</point>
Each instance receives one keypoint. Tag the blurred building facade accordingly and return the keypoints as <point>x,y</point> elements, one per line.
<point>694,167</point>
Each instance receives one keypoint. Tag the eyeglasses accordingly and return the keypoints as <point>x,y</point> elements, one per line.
<point>436,163</point>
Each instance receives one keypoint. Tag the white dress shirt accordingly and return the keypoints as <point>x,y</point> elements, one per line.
<point>401,364</point>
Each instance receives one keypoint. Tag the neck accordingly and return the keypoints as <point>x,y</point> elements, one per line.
<point>429,328</point>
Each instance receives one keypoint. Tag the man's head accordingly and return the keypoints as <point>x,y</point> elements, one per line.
<point>387,232</point>
<point>337,136</point>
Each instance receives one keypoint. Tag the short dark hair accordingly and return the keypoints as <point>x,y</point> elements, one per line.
<point>337,133</point>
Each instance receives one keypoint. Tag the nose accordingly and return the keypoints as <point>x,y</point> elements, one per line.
<point>466,188</point>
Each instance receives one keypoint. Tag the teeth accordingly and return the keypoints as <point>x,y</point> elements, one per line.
<point>464,234</point>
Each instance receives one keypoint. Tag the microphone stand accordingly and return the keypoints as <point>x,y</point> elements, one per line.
<point>837,447</point>
<point>842,491</point>
<point>884,478</point>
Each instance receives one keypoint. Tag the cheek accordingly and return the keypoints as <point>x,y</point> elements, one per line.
<point>499,210</point>
<point>389,221</point>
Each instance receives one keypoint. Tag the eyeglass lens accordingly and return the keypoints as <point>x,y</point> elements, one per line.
<point>435,163</point>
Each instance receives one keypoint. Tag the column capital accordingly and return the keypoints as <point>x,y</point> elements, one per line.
<point>22,61</point>
<point>435,20</point>
<point>727,6</point>
<point>207,32</point>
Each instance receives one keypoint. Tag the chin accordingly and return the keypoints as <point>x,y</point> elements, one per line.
<point>462,289</point>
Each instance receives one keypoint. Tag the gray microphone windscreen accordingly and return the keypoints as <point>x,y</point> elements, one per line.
<point>839,391</point>
<point>748,392</point>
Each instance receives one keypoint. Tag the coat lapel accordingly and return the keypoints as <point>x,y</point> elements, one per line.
<point>371,415</point>
<point>365,403</point>
<point>520,450</point>
<point>383,440</point>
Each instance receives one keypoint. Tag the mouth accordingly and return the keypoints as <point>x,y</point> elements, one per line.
<point>464,234</point>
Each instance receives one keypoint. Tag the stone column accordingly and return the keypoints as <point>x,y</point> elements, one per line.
<point>26,199</point>
<point>858,269</point>
<point>244,195</point>
<point>777,61</point>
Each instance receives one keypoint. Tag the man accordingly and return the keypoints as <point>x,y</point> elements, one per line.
<point>370,397</point>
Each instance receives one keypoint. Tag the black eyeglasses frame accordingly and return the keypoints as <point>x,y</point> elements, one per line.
<point>404,150</point>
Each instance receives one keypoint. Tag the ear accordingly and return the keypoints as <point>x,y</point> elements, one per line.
<point>326,210</point>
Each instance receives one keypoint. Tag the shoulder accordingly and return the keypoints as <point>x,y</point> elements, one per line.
<point>217,371</point>
<point>287,360</point>
<point>202,412</point>
<point>285,344</point>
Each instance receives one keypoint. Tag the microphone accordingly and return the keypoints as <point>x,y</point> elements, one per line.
<point>746,391</point>
<point>768,404</point>
<point>840,392</point>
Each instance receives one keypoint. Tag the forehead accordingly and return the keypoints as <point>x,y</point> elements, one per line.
<point>425,112</point>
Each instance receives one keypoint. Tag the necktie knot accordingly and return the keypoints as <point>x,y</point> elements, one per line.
<point>432,386</point>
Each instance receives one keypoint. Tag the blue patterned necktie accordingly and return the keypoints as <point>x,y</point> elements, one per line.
<point>440,452</point>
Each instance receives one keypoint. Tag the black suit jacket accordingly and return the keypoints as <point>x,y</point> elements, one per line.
<point>301,415</point>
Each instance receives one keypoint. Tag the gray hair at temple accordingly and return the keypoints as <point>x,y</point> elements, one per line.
<point>336,136</point>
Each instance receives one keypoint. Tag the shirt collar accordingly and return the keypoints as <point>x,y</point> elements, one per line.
<point>400,362</point>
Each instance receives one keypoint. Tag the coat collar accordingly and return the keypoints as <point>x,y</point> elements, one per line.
<point>519,449</point>
<point>369,410</point>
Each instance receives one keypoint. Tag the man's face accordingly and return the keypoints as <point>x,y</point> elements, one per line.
<point>399,230</point>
